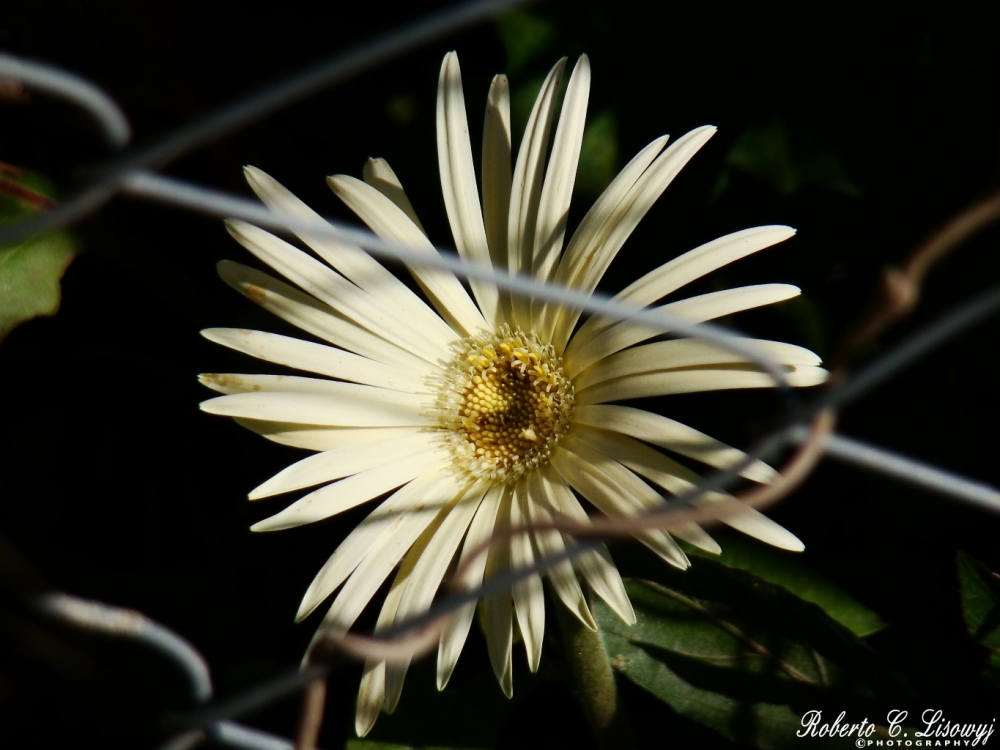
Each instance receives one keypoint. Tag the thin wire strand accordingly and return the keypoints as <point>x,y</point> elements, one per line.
<point>82,93</point>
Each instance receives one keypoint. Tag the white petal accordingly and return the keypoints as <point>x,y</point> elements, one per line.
<point>405,513</point>
<point>371,694</point>
<point>595,564</point>
<point>529,600</point>
<point>553,205</point>
<point>633,207</point>
<point>453,638</point>
<point>550,544</point>
<point>614,491</point>
<point>458,182</point>
<point>351,261</point>
<point>347,493</point>
<point>389,222</point>
<point>383,556</point>
<point>285,398</point>
<point>431,343</point>
<point>317,358</point>
<point>529,171</point>
<point>685,268</point>
<point>380,176</point>
<point>428,571</point>
<point>315,317</point>
<point>694,381</point>
<point>677,479</point>
<point>497,610</point>
<point>686,353</point>
<point>694,310</point>
<point>586,239</point>
<point>315,438</point>
<point>497,177</point>
<point>674,436</point>
<point>342,462</point>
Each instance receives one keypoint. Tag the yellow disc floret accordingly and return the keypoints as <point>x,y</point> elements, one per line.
<point>504,404</point>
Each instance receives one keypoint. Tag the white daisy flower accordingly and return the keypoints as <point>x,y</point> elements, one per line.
<point>484,412</point>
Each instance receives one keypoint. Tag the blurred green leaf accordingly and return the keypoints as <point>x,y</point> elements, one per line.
<point>765,152</point>
<point>786,570</point>
<point>523,36</point>
<point>30,271</point>
<point>980,589</point>
<point>736,653</point>
<point>598,153</point>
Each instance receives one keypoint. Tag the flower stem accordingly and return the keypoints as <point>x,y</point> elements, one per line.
<point>594,682</point>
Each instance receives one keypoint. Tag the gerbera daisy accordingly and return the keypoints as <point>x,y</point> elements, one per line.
<point>482,412</point>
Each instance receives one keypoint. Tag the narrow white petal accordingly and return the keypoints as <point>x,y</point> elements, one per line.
<point>371,695</point>
<point>595,565</point>
<point>317,358</point>
<point>453,638</point>
<point>694,381</point>
<point>553,205</point>
<point>380,176</point>
<point>694,310</point>
<point>586,239</point>
<point>498,612</point>
<point>380,688</point>
<point>347,493</point>
<point>497,177</point>
<point>678,479</point>
<point>428,571</point>
<point>686,353</point>
<point>615,491</point>
<point>674,436</point>
<point>342,462</point>
<point>529,600</point>
<point>286,398</point>
<point>458,182</point>
<point>632,208</point>
<point>685,268</point>
<point>390,223</point>
<point>321,281</point>
<point>383,556</point>
<point>315,438</point>
<point>550,544</point>
<point>351,261</point>
<point>529,171</point>
<point>405,513</point>
<point>315,317</point>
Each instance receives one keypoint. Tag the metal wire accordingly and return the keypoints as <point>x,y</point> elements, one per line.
<point>127,174</point>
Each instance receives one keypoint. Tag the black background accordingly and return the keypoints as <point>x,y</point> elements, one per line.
<point>114,486</point>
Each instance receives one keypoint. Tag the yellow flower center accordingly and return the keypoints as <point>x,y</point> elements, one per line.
<point>504,404</point>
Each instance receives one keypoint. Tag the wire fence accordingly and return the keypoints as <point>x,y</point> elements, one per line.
<point>808,425</point>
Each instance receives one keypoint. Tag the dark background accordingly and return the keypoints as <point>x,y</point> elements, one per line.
<point>863,127</point>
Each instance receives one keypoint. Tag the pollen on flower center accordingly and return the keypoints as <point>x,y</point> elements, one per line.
<point>504,404</point>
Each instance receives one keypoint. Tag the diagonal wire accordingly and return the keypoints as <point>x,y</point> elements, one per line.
<point>239,114</point>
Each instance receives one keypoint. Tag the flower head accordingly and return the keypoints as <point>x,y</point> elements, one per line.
<point>485,412</point>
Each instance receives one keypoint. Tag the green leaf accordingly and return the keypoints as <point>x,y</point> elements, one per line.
<point>765,152</point>
<point>787,570</point>
<point>980,590</point>
<point>598,153</point>
<point>736,653</point>
<point>31,270</point>
<point>523,35</point>
<point>29,278</point>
